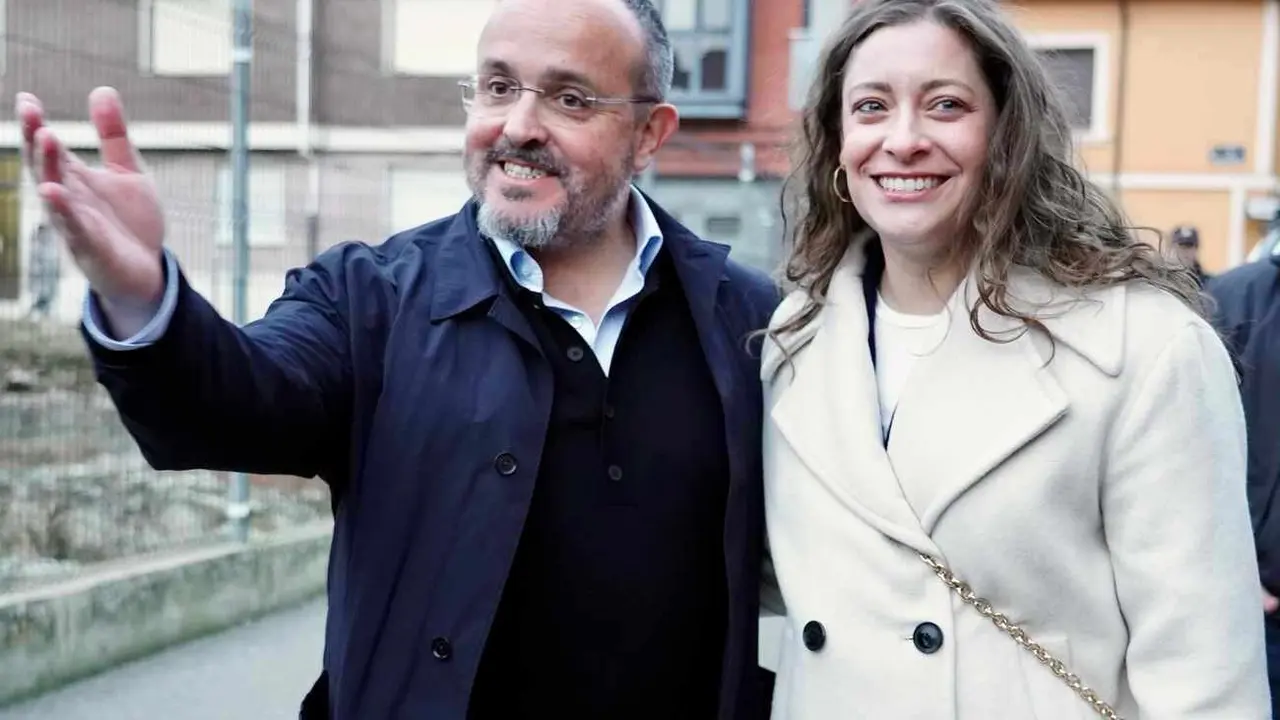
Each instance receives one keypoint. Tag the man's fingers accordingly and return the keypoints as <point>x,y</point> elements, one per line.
<point>62,213</point>
<point>106,110</point>
<point>30,116</point>
<point>49,160</point>
<point>1269,603</point>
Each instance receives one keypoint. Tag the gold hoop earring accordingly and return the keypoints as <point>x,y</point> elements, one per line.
<point>835,184</point>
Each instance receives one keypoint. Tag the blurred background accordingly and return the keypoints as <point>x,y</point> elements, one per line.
<point>355,132</point>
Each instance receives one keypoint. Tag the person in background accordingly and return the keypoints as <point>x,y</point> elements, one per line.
<point>1247,313</point>
<point>1186,251</point>
<point>1004,451</point>
<point>540,417</point>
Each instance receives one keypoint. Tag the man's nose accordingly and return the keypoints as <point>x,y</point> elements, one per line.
<point>524,120</point>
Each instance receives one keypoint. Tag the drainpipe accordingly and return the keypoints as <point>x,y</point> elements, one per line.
<point>1122,84</point>
<point>306,140</point>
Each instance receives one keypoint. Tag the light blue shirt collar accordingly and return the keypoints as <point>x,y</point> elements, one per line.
<point>526,271</point>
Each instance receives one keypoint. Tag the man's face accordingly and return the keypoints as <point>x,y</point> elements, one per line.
<point>1186,254</point>
<point>543,176</point>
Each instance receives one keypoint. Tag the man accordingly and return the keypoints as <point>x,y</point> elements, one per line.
<point>1248,316</point>
<point>1186,250</point>
<point>539,418</point>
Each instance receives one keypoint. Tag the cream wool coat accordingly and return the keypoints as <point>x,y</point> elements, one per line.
<point>1098,499</point>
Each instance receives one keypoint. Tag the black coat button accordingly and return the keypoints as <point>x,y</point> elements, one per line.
<point>815,636</point>
<point>505,464</point>
<point>615,473</point>
<point>441,648</point>
<point>609,412</point>
<point>927,638</point>
<point>574,353</point>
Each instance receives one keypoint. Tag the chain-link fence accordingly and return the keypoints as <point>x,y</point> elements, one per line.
<point>74,490</point>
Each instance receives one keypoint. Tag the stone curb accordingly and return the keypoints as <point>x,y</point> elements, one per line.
<point>53,635</point>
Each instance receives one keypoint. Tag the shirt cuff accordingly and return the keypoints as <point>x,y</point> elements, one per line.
<point>94,322</point>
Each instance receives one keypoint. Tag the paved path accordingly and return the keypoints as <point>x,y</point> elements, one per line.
<point>257,671</point>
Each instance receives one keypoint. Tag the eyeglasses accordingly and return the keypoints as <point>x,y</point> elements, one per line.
<point>494,96</point>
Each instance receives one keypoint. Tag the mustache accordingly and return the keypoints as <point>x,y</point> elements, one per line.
<point>538,156</point>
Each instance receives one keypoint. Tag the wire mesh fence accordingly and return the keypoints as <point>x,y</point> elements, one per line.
<point>74,490</point>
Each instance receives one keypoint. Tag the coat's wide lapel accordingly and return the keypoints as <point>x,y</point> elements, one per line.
<point>829,415</point>
<point>937,443</point>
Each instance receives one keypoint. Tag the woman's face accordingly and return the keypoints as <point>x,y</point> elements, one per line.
<point>916,115</point>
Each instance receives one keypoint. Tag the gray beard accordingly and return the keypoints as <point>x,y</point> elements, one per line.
<point>555,229</point>
<point>537,234</point>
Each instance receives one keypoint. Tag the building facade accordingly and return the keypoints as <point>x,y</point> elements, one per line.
<point>356,122</point>
<point>722,173</point>
<point>1176,105</point>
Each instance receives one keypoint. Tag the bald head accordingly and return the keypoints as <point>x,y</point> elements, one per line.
<point>637,22</point>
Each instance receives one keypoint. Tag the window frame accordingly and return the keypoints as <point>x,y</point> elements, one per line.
<point>729,103</point>
<point>147,44</point>
<point>1099,129</point>
<point>389,49</point>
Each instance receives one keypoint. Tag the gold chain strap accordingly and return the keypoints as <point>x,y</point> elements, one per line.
<point>1019,636</point>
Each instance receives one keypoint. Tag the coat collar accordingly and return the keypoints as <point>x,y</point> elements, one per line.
<point>466,275</point>
<point>1090,323</point>
<point>969,406</point>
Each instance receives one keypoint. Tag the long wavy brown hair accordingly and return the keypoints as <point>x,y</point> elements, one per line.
<point>1032,207</point>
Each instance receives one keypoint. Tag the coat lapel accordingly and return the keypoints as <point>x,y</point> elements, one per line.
<point>468,276</point>
<point>973,403</point>
<point>966,408</point>
<point>829,413</point>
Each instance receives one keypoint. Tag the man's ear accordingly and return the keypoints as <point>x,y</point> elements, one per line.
<point>661,124</point>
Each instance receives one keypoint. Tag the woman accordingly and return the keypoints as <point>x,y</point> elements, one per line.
<point>983,378</point>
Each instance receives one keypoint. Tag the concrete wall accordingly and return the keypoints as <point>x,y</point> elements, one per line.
<point>53,635</point>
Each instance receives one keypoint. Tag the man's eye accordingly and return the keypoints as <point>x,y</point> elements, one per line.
<point>572,101</point>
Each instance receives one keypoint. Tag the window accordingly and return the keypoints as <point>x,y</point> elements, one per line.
<point>432,37</point>
<point>418,196</point>
<point>1078,67</point>
<point>186,37</point>
<point>710,39</point>
<point>268,226</point>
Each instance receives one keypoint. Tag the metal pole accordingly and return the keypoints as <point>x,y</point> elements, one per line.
<point>242,56</point>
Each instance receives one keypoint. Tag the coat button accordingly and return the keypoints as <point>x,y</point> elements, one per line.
<point>815,636</point>
<point>441,648</point>
<point>574,353</point>
<point>615,473</point>
<point>927,638</point>
<point>505,464</point>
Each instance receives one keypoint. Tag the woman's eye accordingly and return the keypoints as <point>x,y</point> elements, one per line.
<point>867,106</point>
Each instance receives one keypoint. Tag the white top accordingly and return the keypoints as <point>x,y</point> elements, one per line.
<point>901,340</point>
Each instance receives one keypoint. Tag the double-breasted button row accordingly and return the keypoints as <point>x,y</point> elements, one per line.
<point>927,637</point>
